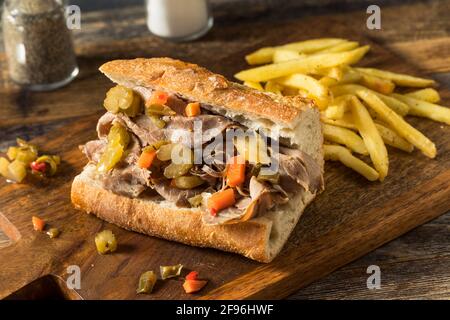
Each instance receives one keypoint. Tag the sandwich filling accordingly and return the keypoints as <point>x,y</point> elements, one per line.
<point>156,143</point>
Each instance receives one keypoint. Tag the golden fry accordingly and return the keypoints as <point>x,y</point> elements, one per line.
<point>396,105</point>
<point>398,78</point>
<point>254,85</point>
<point>393,139</point>
<point>372,139</point>
<point>426,109</point>
<point>265,55</point>
<point>341,47</point>
<point>428,94</point>
<point>346,137</point>
<point>345,122</point>
<point>396,122</point>
<point>315,89</point>
<point>282,55</point>
<point>307,65</point>
<point>342,154</point>
<point>377,84</point>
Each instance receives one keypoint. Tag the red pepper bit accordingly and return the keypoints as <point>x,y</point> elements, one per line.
<point>213,212</point>
<point>38,166</point>
<point>193,275</point>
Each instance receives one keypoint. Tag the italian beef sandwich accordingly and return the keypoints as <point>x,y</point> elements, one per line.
<point>186,155</point>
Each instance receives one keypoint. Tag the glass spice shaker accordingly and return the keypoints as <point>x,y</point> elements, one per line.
<point>177,20</point>
<point>38,44</point>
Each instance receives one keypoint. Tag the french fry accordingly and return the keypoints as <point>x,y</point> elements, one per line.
<point>315,89</point>
<point>338,107</point>
<point>265,55</point>
<point>350,76</point>
<point>372,139</point>
<point>428,94</point>
<point>396,105</point>
<point>307,65</point>
<point>346,137</point>
<point>254,85</point>
<point>334,72</point>
<point>426,109</point>
<point>377,84</point>
<point>345,122</point>
<point>282,55</point>
<point>398,78</point>
<point>273,87</point>
<point>397,123</point>
<point>341,47</point>
<point>328,81</point>
<point>342,154</point>
<point>393,139</point>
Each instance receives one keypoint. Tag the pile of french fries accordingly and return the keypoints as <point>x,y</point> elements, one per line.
<point>361,108</point>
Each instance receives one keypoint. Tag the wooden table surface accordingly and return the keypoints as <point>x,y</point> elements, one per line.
<point>414,266</point>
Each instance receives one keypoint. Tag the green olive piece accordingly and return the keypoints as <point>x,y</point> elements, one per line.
<point>51,161</point>
<point>157,121</point>
<point>170,271</point>
<point>53,232</point>
<point>119,98</point>
<point>156,145</point>
<point>195,201</point>
<point>188,182</point>
<point>272,177</point>
<point>118,139</point>
<point>146,282</point>
<point>159,110</point>
<point>4,163</point>
<point>174,170</point>
<point>105,242</point>
<point>12,152</point>
<point>17,171</point>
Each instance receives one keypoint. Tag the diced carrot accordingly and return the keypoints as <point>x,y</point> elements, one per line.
<point>158,97</point>
<point>38,223</point>
<point>193,109</point>
<point>221,200</point>
<point>193,275</point>
<point>235,171</point>
<point>146,159</point>
<point>191,286</point>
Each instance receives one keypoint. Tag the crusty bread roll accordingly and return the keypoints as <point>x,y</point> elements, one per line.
<point>294,118</point>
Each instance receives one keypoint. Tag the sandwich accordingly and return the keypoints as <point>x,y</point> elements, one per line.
<point>186,155</point>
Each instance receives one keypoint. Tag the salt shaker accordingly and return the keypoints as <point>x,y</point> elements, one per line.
<point>38,44</point>
<point>179,20</point>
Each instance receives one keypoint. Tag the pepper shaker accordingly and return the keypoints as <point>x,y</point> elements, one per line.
<point>179,20</point>
<point>38,44</point>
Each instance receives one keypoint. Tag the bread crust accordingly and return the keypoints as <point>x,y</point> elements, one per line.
<point>177,224</point>
<point>199,84</point>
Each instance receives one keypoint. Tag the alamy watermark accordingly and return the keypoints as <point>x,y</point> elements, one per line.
<point>374,280</point>
<point>73,17</point>
<point>373,22</point>
<point>74,279</point>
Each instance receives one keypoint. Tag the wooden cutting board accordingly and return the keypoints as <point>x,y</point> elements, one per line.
<point>351,218</point>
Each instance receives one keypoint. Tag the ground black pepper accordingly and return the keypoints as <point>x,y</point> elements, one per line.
<point>38,43</point>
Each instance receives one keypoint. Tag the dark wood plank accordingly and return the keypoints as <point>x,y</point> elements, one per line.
<point>416,192</point>
<point>414,266</point>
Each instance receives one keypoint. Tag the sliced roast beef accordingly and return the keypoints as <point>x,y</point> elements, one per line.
<point>128,180</point>
<point>181,129</point>
<point>94,149</point>
<point>178,196</point>
<point>304,169</point>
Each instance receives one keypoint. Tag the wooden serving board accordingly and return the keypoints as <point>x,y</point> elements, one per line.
<point>351,218</point>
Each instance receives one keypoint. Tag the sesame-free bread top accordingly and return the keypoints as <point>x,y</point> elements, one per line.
<point>196,83</point>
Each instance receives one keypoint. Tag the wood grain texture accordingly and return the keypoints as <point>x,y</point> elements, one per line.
<point>332,232</point>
